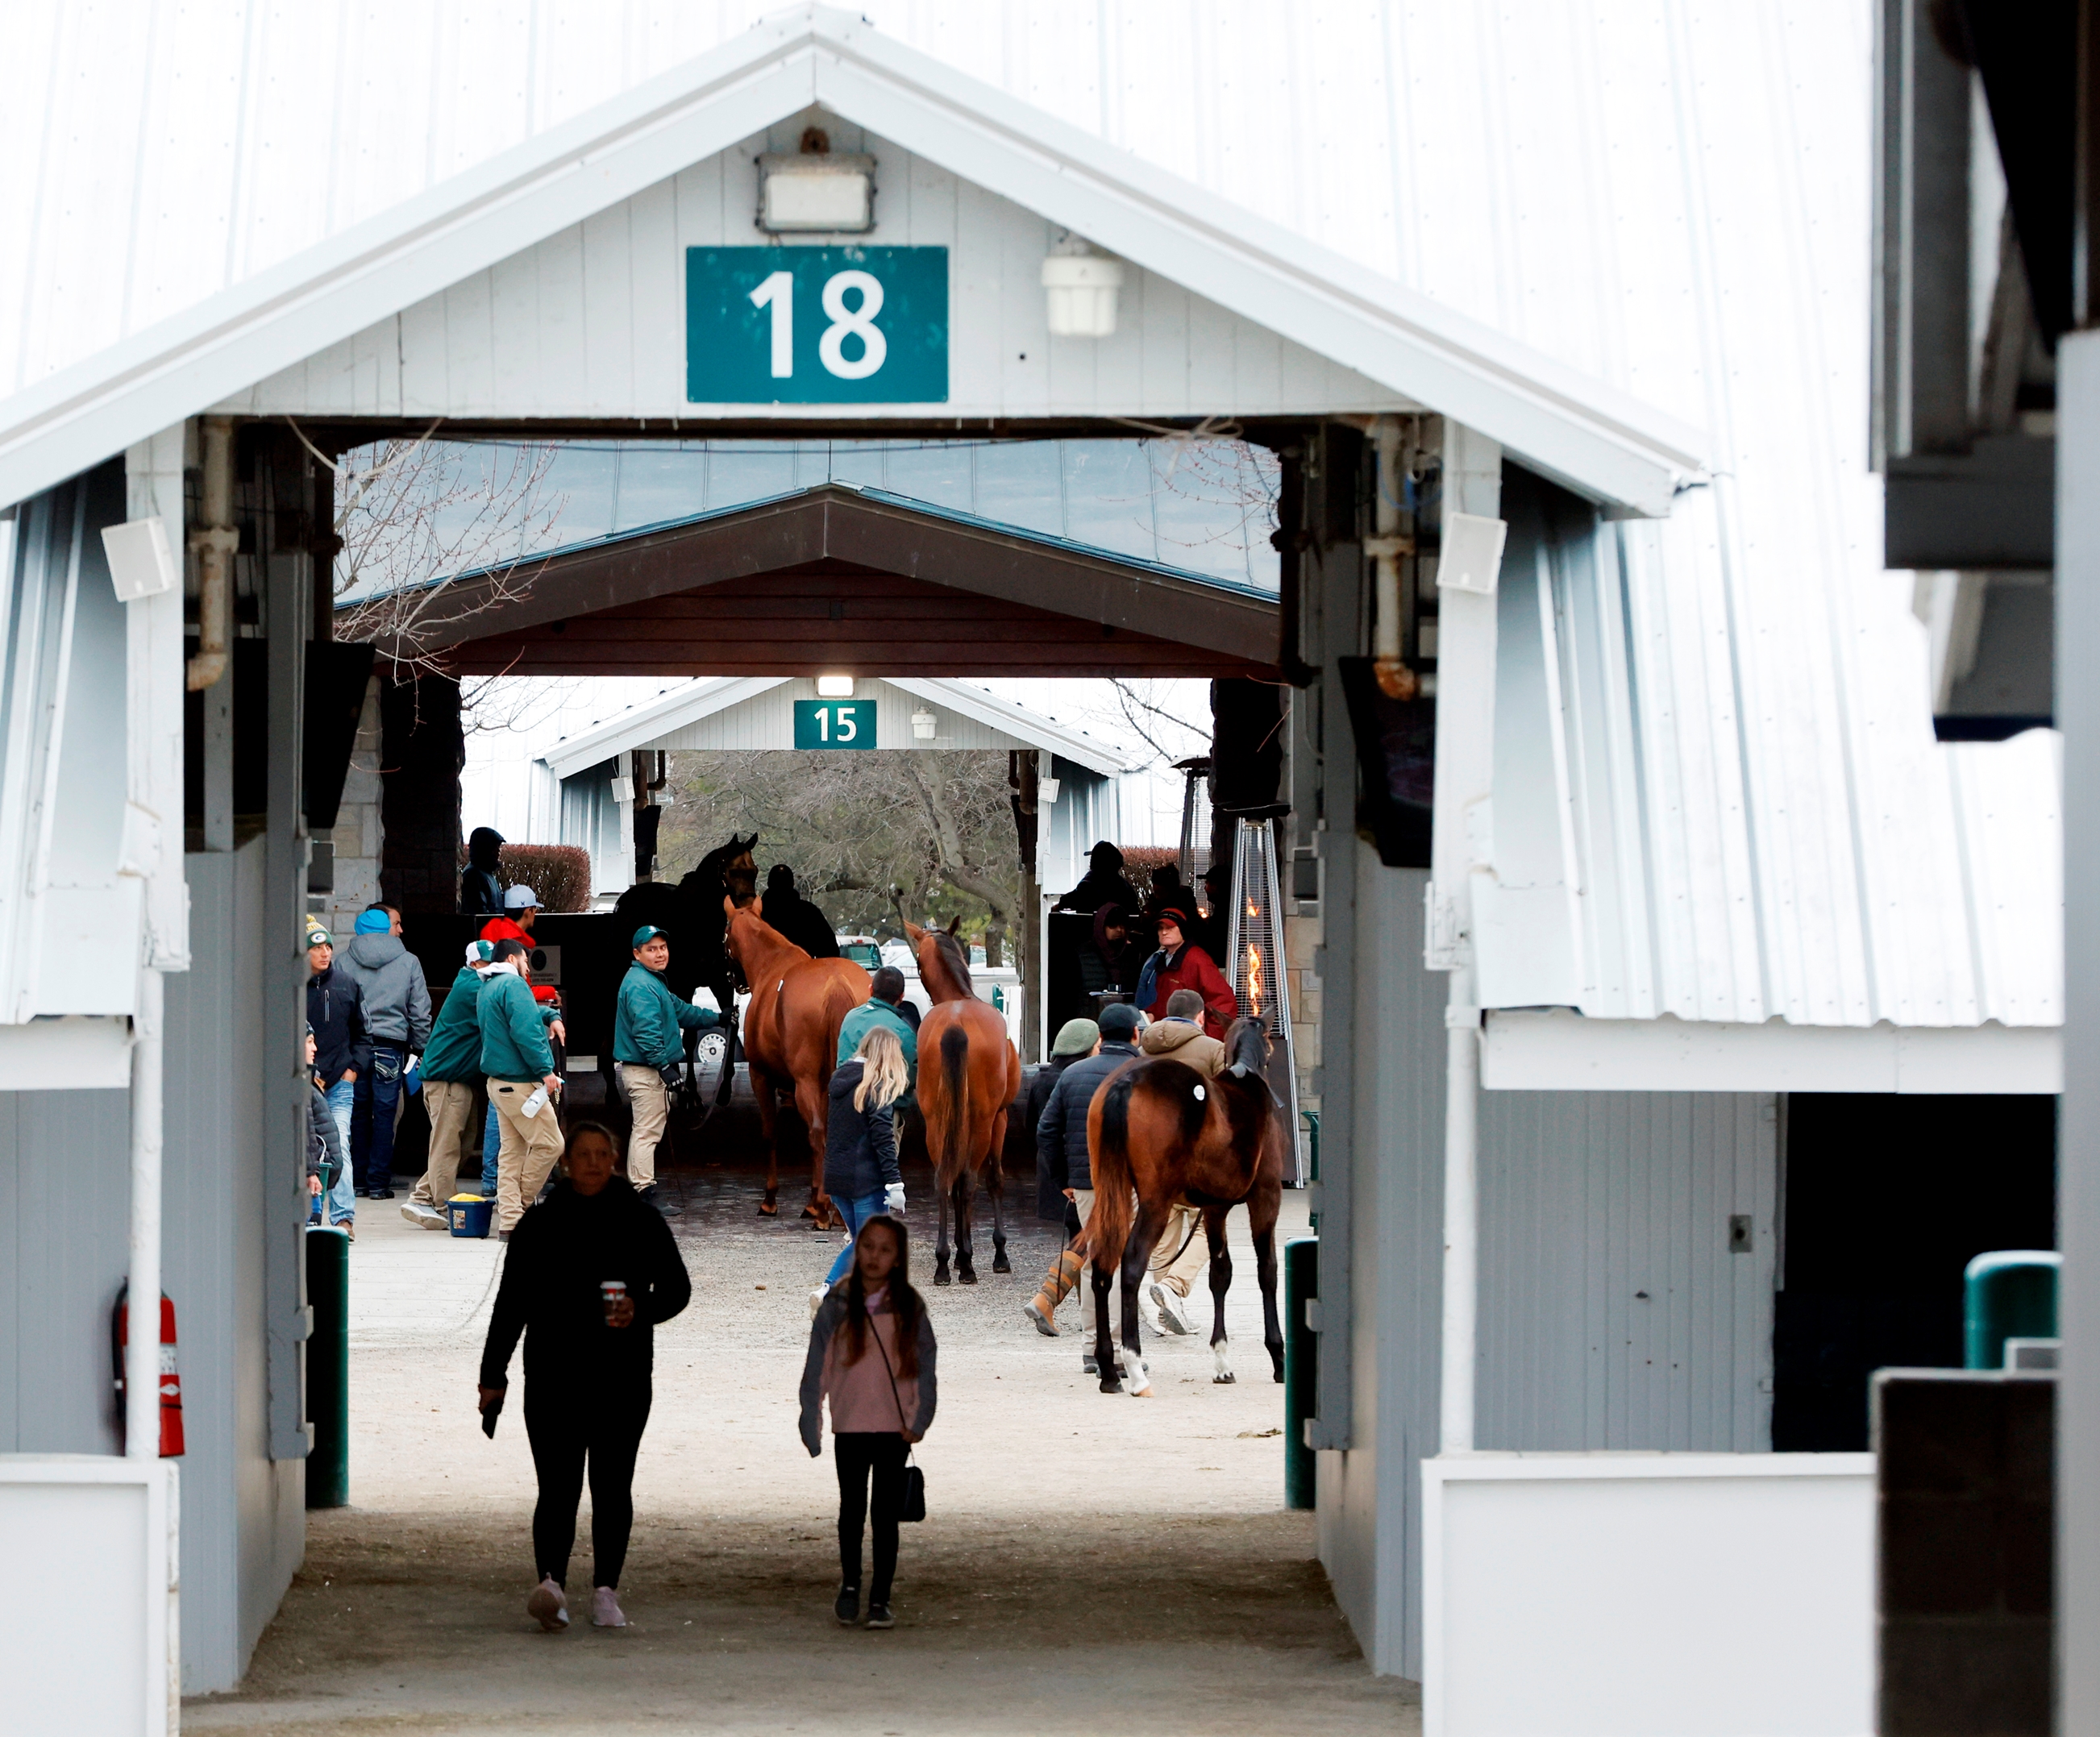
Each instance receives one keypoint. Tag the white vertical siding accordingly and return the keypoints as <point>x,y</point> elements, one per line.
<point>65,1189</point>
<point>244,1514</point>
<point>591,322</point>
<point>1611,1314</point>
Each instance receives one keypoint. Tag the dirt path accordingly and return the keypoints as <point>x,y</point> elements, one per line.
<point>1089,1562</point>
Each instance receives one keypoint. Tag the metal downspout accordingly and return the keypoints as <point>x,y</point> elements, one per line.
<point>214,543</point>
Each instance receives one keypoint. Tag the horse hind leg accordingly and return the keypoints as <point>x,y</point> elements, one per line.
<point>1105,1356</point>
<point>1136,1259</point>
<point>966,1266</point>
<point>1221,1281</point>
<point>941,1276</point>
<point>995,1186</point>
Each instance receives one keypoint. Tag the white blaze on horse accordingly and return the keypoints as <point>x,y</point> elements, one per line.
<point>1158,1131</point>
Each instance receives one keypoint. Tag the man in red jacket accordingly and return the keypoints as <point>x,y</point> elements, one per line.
<point>1180,964</point>
<point>520,907</point>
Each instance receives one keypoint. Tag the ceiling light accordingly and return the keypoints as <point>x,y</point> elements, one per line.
<point>924,723</point>
<point>1081,286</point>
<point>816,189</point>
<point>835,687</point>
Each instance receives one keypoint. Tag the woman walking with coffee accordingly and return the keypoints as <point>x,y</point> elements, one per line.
<point>588,1273</point>
<point>871,1356</point>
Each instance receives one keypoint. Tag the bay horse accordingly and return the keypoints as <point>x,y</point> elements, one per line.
<point>690,911</point>
<point>790,1037</point>
<point>968,1077</point>
<point>1158,1129</point>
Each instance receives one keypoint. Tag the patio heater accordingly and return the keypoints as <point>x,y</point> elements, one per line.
<point>1194,856</point>
<point>1254,946</point>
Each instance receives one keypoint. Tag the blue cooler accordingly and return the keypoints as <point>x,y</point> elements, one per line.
<point>469,1215</point>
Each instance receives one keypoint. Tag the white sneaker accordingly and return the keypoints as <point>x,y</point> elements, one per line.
<point>418,1214</point>
<point>817,1299</point>
<point>606,1612</point>
<point>549,1606</point>
<point>1173,1309</point>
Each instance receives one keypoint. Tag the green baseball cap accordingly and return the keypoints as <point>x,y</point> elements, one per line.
<point>1075,1037</point>
<point>646,933</point>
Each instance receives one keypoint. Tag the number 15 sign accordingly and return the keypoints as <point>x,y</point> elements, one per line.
<point>816,325</point>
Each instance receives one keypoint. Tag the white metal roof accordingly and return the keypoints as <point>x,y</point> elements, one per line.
<point>681,707</point>
<point>118,374</point>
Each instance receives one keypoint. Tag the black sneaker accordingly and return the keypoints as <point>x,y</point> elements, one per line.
<point>381,1194</point>
<point>879,1617</point>
<point>655,1196</point>
<point>846,1606</point>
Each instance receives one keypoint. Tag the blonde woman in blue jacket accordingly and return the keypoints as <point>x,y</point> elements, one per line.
<point>649,1029</point>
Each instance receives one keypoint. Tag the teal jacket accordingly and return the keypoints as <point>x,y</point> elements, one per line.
<point>454,1051</point>
<point>646,1024</point>
<point>514,1037</point>
<point>863,1019</point>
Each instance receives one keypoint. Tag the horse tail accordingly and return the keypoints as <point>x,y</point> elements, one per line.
<point>954,1157</point>
<point>1108,1227</point>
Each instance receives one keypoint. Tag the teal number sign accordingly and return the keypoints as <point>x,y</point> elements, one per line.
<point>817,325</point>
<point>834,723</point>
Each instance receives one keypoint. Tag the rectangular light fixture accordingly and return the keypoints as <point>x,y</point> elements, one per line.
<point>141,563</point>
<point>835,687</point>
<point>822,193</point>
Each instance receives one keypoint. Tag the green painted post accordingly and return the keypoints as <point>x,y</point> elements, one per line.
<point>327,1367</point>
<point>2009,1293</point>
<point>1301,1368</point>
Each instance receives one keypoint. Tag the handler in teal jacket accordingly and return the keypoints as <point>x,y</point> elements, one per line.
<point>884,992</point>
<point>518,1060</point>
<point>647,1037</point>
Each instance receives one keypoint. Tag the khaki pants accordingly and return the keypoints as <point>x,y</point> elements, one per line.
<point>650,1100</point>
<point>450,1105</point>
<point>1174,1267</point>
<point>529,1146</point>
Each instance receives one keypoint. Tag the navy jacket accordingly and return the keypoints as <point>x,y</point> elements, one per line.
<point>335,1008</point>
<point>1061,1136</point>
<point>860,1146</point>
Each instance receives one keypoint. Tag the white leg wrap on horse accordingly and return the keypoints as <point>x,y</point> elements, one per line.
<point>1137,1377</point>
<point>1222,1365</point>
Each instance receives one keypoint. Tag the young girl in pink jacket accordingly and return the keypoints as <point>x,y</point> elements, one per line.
<point>872,1356</point>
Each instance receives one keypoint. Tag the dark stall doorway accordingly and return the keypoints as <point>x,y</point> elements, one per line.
<point>1887,1199</point>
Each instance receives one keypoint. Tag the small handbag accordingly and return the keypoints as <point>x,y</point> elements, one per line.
<point>915,1480</point>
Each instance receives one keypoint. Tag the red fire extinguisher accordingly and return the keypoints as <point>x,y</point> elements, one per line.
<point>171,1380</point>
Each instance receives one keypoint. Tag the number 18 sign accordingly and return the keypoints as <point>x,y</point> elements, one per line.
<point>816,325</point>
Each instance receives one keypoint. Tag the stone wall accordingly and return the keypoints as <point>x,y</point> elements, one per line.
<point>360,834</point>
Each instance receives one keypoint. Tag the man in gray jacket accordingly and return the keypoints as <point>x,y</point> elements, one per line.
<point>397,1020</point>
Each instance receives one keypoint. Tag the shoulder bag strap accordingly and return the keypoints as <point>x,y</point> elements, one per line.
<point>896,1398</point>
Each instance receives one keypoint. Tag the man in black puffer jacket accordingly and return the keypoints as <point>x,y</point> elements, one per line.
<point>1060,1149</point>
<point>589,1356</point>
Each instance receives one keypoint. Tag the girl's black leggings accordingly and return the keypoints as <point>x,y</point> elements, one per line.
<point>859,1454</point>
<point>599,1421</point>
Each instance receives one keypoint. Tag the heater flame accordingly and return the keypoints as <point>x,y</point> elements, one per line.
<point>1254,983</point>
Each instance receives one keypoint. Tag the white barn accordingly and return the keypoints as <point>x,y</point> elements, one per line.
<point>1695,847</point>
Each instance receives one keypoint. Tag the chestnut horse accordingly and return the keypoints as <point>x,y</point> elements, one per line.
<point>790,1037</point>
<point>968,1076</point>
<point>1158,1129</point>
